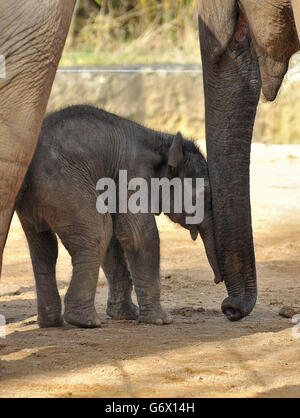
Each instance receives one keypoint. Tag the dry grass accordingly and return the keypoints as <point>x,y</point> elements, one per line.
<point>149,31</point>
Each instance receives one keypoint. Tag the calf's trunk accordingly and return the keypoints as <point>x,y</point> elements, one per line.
<point>206,230</point>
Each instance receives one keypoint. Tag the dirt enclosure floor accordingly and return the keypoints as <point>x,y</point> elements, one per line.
<point>201,354</point>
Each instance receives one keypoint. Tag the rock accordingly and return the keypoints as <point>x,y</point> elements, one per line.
<point>287,312</point>
<point>7,289</point>
<point>187,311</point>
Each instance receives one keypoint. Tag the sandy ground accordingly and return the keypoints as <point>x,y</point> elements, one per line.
<point>201,353</point>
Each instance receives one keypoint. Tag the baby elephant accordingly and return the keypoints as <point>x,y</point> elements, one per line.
<point>78,148</point>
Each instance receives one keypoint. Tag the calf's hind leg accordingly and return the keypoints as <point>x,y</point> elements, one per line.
<point>119,303</point>
<point>43,251</point>
<point>87,243</point>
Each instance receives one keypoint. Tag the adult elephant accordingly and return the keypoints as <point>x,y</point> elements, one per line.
<point>32,36</point>
<point>296,8</point>
<point>246,45</point>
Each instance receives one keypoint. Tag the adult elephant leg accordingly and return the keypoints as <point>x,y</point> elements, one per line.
<point>232,88</point>
<point>296,9</point>
<point>32,36</point>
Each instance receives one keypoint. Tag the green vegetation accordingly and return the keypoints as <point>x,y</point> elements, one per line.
<point>106,32</point>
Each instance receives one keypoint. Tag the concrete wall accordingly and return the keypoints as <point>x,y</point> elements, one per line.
<point>172,101</point>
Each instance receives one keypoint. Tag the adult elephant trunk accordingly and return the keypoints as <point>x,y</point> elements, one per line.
<point>232,88</point>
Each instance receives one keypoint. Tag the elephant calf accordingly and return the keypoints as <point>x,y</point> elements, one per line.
<point>77,147</point>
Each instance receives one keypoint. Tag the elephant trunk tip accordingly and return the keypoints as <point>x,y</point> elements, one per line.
<point>236,308</point>
<point>218,279</point>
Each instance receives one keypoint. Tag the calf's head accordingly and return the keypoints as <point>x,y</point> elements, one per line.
<point>187,170</point>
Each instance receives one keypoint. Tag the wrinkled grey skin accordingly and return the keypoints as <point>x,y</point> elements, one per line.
<point>246,45</point>
<point>78,146</point>
<point>32,36</point>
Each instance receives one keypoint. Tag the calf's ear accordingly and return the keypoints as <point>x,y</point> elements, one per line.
<point>175,156</point>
